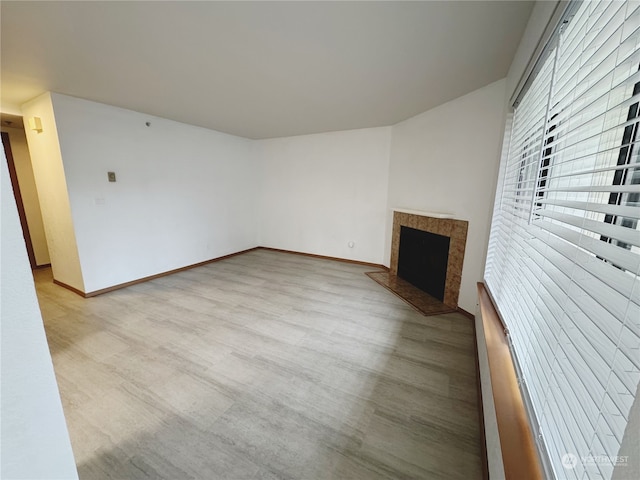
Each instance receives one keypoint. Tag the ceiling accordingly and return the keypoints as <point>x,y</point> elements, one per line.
<point>259,69</point>
<point>12,121</point>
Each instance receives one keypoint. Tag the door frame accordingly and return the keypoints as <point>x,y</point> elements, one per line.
<point>13,175</point>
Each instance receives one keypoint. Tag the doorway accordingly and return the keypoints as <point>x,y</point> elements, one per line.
<point>21,173</point>
<point>13,175</point>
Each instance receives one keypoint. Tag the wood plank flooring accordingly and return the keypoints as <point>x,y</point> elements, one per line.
<point>266,365</point>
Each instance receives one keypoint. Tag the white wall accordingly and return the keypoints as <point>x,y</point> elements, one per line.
<point>183,194</point>
<point>629,468</point>
<point>50,180</point>
<point>30,201</point>
<point>320,192</point>
<point>446,160</point>
<point>495,462</point>
<point>34,442</point>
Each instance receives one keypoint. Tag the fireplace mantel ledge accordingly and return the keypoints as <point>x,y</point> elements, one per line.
<point>424,214</point>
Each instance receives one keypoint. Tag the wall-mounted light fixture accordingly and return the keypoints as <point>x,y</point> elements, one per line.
<point>35,124</point>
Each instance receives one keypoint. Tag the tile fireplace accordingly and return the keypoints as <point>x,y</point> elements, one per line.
<point>427,253</point>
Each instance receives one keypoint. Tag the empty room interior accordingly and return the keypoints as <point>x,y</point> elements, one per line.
<point>320,240</point>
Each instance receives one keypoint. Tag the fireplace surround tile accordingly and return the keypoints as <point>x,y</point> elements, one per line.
<point>456,230</point>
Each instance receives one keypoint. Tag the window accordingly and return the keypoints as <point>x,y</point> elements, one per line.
<point>563,265</point>
<point>628,155</point>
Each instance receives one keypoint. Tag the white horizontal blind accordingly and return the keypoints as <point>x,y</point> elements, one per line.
<point>564,253</point>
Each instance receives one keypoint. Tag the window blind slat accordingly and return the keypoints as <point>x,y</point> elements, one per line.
<point>623,234</point>
<point>575,134</point>
<point>590,171</point>
<point>598,188</point>
<point>604,276</point>
<point>563,262</point>
<point>620,257</point>
<point>586,310</point>
<point>619,210</point>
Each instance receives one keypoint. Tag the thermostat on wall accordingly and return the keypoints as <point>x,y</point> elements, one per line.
<point>111,176</point>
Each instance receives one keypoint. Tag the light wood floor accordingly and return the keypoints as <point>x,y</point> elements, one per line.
<point>266,365</point>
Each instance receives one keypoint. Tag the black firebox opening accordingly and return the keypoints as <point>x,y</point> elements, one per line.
<point>422,260</point>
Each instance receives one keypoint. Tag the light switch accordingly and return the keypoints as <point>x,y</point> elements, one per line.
<point>112,176</point>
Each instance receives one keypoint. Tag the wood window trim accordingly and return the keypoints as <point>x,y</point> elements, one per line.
<point>519,453</point>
